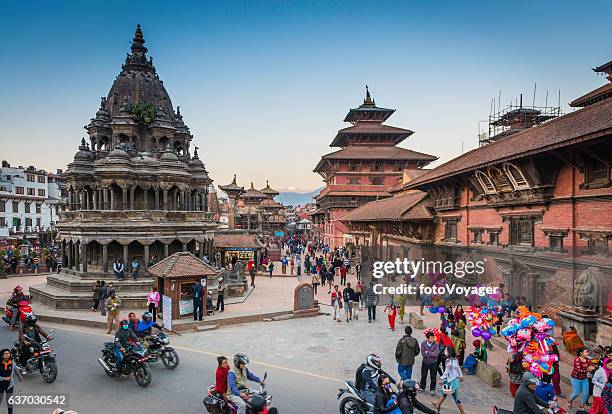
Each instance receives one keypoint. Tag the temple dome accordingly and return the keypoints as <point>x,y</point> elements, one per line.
<point>84,153</point>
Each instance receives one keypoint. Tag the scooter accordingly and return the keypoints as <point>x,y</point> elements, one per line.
<point>258,403</point>
<point>353,402</point>
<point>24,309</point>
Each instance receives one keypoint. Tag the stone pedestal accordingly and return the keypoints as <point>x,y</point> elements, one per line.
<point>604,331</point>
<point>583,320</point>
<point>303,301</point>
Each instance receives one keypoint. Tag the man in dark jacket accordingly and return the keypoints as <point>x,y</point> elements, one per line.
<point>198,304</point>
<point>526,401</point>
<point>406,350</point>
<point>347,295</point>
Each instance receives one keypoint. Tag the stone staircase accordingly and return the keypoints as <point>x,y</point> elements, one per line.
<point>72,289</point>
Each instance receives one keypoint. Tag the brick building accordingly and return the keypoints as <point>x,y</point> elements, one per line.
<point>536,204</point>
<point>366,166</point>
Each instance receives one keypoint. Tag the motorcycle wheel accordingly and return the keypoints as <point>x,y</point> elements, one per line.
<point>351,405</point>
<point>143,376</point>
<point>170,358</point>
<point>49,372</point>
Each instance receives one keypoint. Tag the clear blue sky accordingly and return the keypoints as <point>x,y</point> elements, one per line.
<point>265,85</point>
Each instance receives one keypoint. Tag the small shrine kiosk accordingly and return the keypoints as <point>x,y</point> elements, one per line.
<point>174,278</point>
<point>240,244</point>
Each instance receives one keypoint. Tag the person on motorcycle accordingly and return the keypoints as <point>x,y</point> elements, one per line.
<point>237,380</point>
<point>13,303</point>
<point>526,401</point>
<point>407,399</point>
<point>383,396</point>
<point>369,375</point>
<point>30,332</point>
<point>146,325</point>
<point>123,336</point>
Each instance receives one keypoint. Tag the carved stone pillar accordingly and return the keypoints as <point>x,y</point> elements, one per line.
<point>77,255</point>
<point>69,258</point>
<point>184,245</point>
<point>64,255</point>
<point>156,205</point>
<point>84,257</point>
<point>132,198</point>
<point>146,257</point>
<point>105,198</point>
<point>125,256</point>
<point>145,200</point>
<point>165,250</point>
<point>94,197</point>
<point>112,198</point>
<point>165,200</point>
<point>105,258</point>
<point>182,201</point>
<point>124,199</point>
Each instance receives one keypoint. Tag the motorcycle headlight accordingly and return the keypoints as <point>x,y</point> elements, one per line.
<point>165,341</point>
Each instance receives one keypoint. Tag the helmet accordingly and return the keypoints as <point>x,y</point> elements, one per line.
<point>147,316</point>
<point>31,319</point>
<point>530,379</point>
<point>240,359</point>
<point>374,360</point>
<point>410,387</point>
<point>18,288</point>
<point>124,321</point>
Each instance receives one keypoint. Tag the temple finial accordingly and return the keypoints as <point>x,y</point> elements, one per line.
<point>252,186</point>
<point>138,36</point>
<point>195,153</point>
<point>234,180</point>
<point>267,184</point>
<point>368,101</point>
<point>178,110</point>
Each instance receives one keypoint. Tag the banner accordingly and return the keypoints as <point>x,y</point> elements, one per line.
<point>167,312</point>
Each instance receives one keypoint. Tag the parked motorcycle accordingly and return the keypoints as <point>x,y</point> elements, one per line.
<point>158,349</point>
<point>353,402</point>
<point>41,358</point>
<point>258,403</point>
<point>24,309</point>
<point>134,362</point>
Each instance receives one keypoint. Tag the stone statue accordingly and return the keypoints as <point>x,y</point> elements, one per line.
<point>588,289</point>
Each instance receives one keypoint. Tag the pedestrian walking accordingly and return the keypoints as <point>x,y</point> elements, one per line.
<point>347,296</point>
<point>8,370</point>
<point>298,264</point>
<point>292,264</point>
<point>343,272</point>
<point>600,377</point>
<point>580,383</point>
<point>284,262</point>
<point>514,368</point>
<point>96,296</point>
<point>458,346</point>
<point>316,281</point>
<point>336,302</point>
<point>329,274</point>
<point>430,350</point>
<point>112,305</point>
<point>271,268</point>
<point>253,272</point>
<point>451,380</point>
<point>406,350</point>
<point>104,293</point>
<point>220,295</point>
<point>356,299</point>
<point>153,302</point>
<point>198,300</point>
<point>391,310</point>
<point>358,271</point>
<point>371,300</point>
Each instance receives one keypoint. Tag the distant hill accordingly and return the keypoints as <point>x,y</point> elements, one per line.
<point>295,199</point>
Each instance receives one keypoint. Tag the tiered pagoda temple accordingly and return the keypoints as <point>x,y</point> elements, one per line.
<point>135,191</point>
<point>366,166</point>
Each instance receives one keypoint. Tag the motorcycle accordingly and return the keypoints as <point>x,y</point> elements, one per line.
<point>158,349</point>
<point>554,409</point>
<point>134,362</point>
<point>41,358</point>
<point>24,309</point>
<point>258,403</point>
<point>353,402</point>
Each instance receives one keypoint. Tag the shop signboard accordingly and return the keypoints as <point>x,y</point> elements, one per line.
<point>167,312</point>
<point>185,307</point>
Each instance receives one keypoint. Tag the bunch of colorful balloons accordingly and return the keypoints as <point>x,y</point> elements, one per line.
<point>482,320</point>
<point>437,309</point>
<point>531,335</point>
<point>441,337</point>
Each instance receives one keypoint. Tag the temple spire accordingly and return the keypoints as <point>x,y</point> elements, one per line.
<point>368,101</point>
<point>234,180</point>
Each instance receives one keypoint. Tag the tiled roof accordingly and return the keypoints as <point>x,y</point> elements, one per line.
<point>376,152</point>
<point>590,122</point>
<point>268,202</point>
<point>354,189</point>
<point>603,92</point>
<point>236,239</point>
<point>404,207</point>
<point>395,134</point>
<point>181,264</point>
<point>412,175</point>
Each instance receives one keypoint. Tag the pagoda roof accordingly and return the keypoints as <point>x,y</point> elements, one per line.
<point>599,94</point>
<point>604,68</point>
<point>271,203</point>
<point>268,190</point>
<point>376,152</point>
<point>368,111</point>
<point>591,122</point>
<point>252,193</point>
<point>354,190</point>
<point>399,208</point>
<point>232,187</point>
<point>412,175</point>
<point>367,130</point>
<point>236,239</point>
<point>181,264</point>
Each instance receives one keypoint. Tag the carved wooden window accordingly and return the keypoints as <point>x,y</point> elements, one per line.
<point>377,180</point>
<point>521,231</point>
<point>353,180</point>
<point>19,190</point>
<point>485,182</point>
<point>597,173</point>
<point>41,179</point>
<point>478,236</point>
<point>28,222</point>
<point>352,166</point>
<point>516,176</point>
<point>450,230</point>
<point>598,246</point>
<point>494,238</point>
<point>30,177</point>
<point>38,208</point>
<point>555,243</point>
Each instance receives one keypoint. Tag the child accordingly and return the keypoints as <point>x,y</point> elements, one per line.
<point>480,351</point>
<point>545,389</point>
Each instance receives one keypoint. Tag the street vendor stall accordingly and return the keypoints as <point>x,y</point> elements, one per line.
<point>237,245</point>
<point>175,277</point>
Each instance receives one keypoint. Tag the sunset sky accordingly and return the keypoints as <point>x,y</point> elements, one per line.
<point>264,85</point>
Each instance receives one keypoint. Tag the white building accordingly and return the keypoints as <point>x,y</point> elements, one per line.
<point>29,201</point>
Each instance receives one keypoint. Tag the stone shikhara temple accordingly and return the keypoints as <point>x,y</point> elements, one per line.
<point>135,192</point>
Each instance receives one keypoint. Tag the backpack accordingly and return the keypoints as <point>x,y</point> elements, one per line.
<point>359,378</point>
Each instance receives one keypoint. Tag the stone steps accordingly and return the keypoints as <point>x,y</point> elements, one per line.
<point>76,284</point>
<point>99,275</point>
